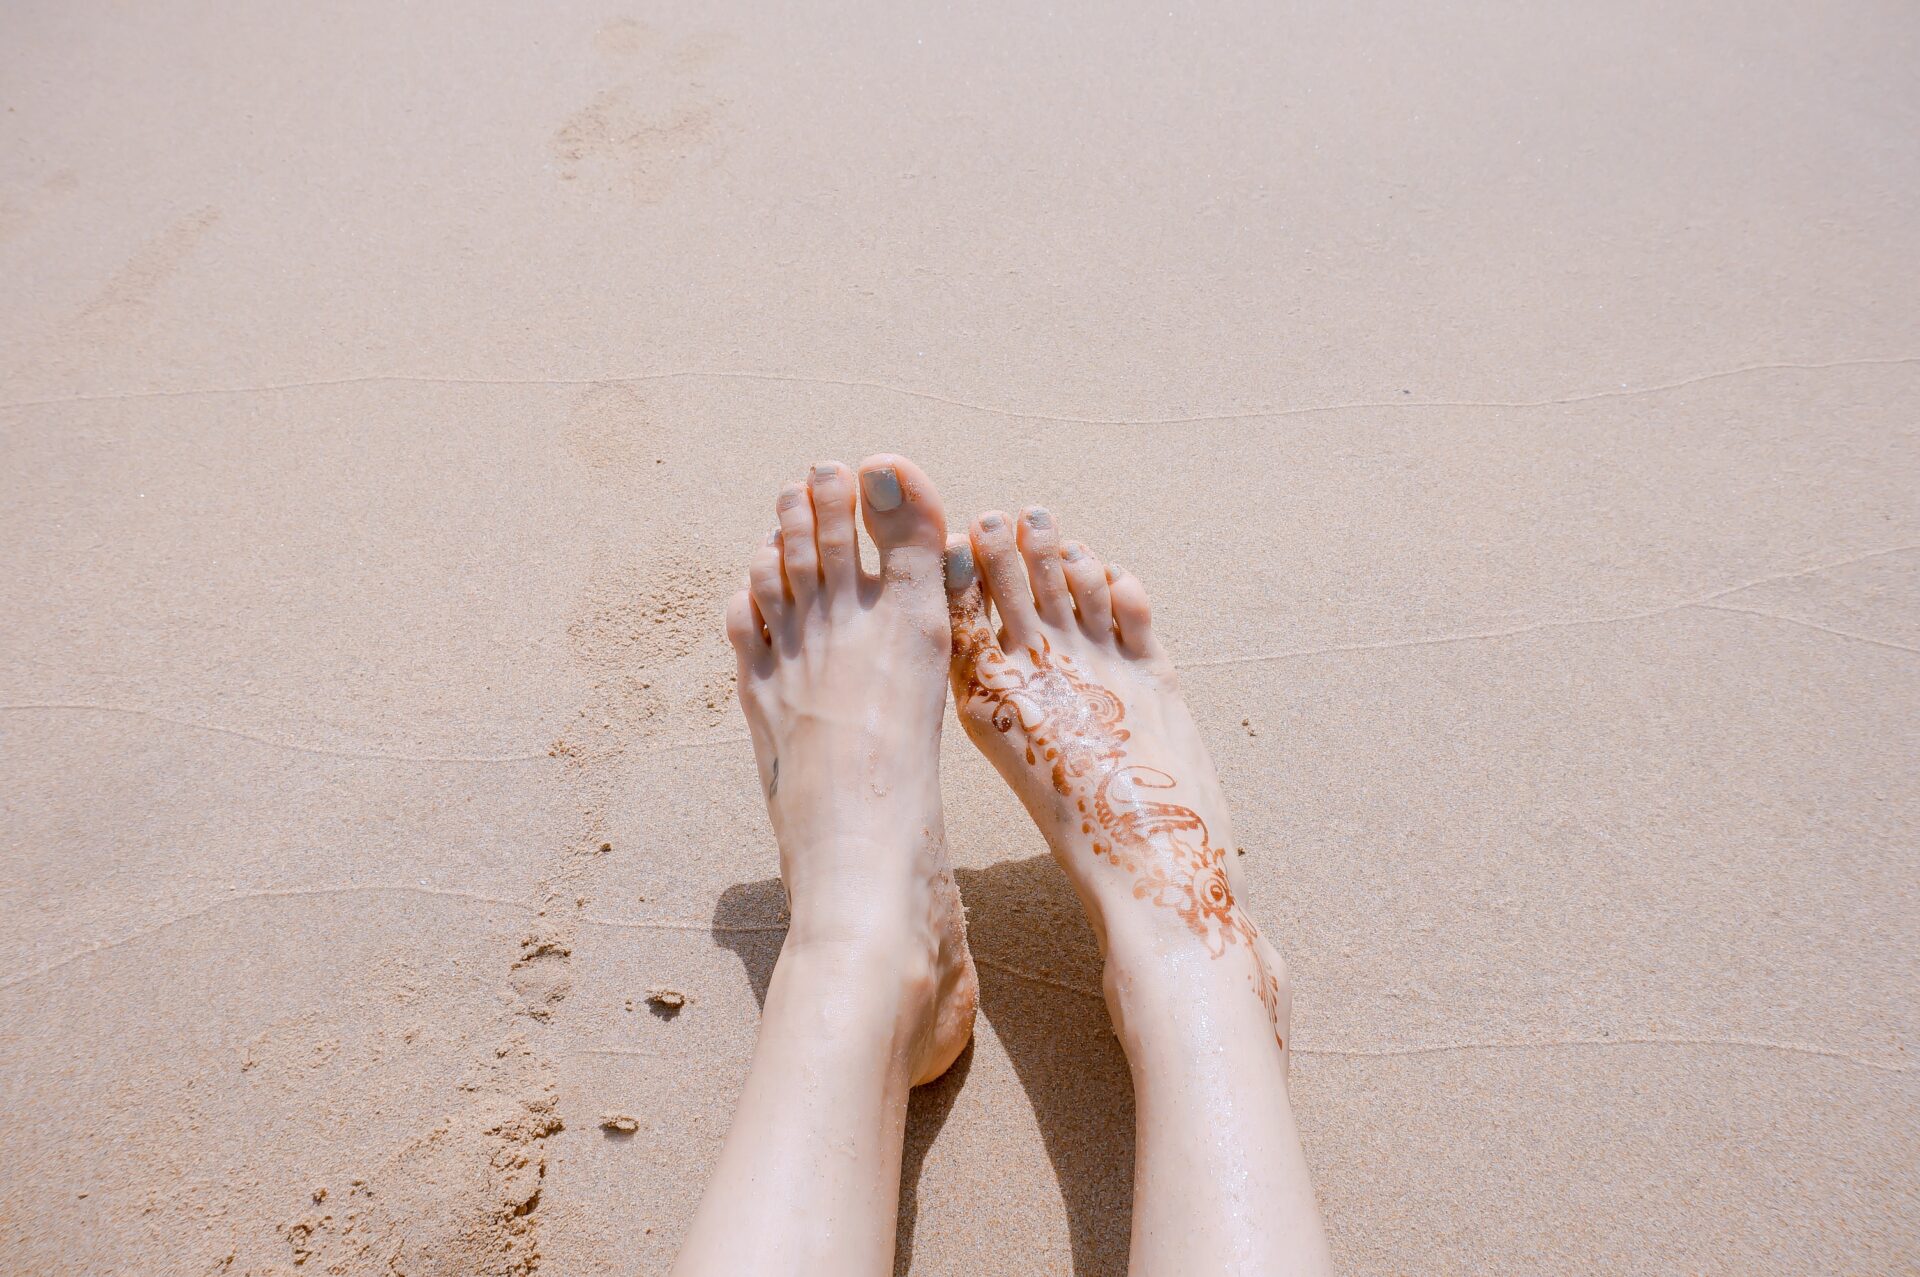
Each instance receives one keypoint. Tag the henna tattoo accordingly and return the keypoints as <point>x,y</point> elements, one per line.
<point>1074,726</point>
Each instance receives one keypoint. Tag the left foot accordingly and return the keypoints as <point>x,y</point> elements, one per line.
<point>843,681</point>
<point>1075,703</point>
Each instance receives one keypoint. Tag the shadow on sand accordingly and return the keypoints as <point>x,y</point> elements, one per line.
<point>1039,988</point>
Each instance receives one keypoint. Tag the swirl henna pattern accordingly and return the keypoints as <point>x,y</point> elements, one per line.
<point>1074,726</point>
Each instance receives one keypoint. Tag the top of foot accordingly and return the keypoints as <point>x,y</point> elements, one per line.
<point>1075,703</point>
<point>842,679</point>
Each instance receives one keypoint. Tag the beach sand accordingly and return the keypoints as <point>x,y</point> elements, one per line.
<point>1512,410</point>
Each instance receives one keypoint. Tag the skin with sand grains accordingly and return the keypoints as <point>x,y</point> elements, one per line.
<point>1076,704</point>
<point>843,678</point>
<point>1074,724</point>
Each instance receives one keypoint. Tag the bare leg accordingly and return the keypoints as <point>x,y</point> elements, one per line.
<point>1077,707</point>
<point>842,677</point>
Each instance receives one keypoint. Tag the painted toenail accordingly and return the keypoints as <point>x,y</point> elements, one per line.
<point>991,522</point>
<point>1039,519</point>
<point>881,488</point>
<point>959,567</point>
<point>823,473</point>
<point>1073,552</point>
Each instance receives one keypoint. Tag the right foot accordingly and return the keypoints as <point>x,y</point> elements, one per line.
<point>1078,708</point>
<point>842,678</point>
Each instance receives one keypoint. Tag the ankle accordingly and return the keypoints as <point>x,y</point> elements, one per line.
<point>822,1020</point>
<point>1156,979</point>
<point>877,974</point>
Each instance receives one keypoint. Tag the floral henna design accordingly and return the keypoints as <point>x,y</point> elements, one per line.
<point>1075,725</point>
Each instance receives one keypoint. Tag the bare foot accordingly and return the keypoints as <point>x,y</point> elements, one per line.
<point>1077,706</point>
<point>842,680</point>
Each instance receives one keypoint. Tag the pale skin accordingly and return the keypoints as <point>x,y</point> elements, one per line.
<point>1060,682</point>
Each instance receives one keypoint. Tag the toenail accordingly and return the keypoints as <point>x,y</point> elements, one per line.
<point>1039,519</point>
<point>991,522</point>
<point>773,537</point>
<point>881,488</point>
<point>1073,551</point>
<point>822,473</point>
<point>959,567</point>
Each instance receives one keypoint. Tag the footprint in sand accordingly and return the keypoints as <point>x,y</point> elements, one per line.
<point>22,210</point>
<point>655,124</point>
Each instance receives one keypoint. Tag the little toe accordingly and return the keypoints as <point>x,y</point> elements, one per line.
<point>904,517</point>
<point>833,531</point>
<point>799,558</point>
<point>1087,581</point>
<point>1005,575</point>
<point>766,582</point>
<point>744,630</point>
<point>1132,618</point>
<point>1040,546</point>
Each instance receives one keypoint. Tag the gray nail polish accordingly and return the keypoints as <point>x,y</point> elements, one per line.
<point>990,521</point>
<point>881,488</point>
<point>1072,552</point>
<point>1039,519</point>
<point>822,473</point>
<point>773,537</point>
<point>959,568</point>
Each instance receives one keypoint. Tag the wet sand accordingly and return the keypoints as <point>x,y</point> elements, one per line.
<point>1512,411</point>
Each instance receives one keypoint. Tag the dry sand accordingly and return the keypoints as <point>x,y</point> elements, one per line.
<point>1512,407</point>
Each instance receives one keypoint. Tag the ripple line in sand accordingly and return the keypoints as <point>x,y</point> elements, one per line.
<point>291,893</point>
<point>1035,977</point>
<point>1810,625</point>
<point>1547,1044</point>
<point>624,1051</point>
<point>1032,977</point>
<point>256,738</point>
<point>1533,627</point>
<point>1424,640</point>
<point>1516,1044</point>
<point>328,752</point>
<point>295,893</point>
<point>909,392</point>
<point>675,924</point>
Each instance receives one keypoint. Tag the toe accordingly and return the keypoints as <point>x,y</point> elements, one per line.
<point>976,653</point>
<point>766,583</point>
<point>1132,619</point>
<point>797,553</point>
<point>1005,576</point>
<point>904,518</point>
<point>743,627</point>
<point>1087,581</point>
<point>832,487</point>
<point>1040,547</point>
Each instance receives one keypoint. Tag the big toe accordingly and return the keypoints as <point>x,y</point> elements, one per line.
<point>904,517</point>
